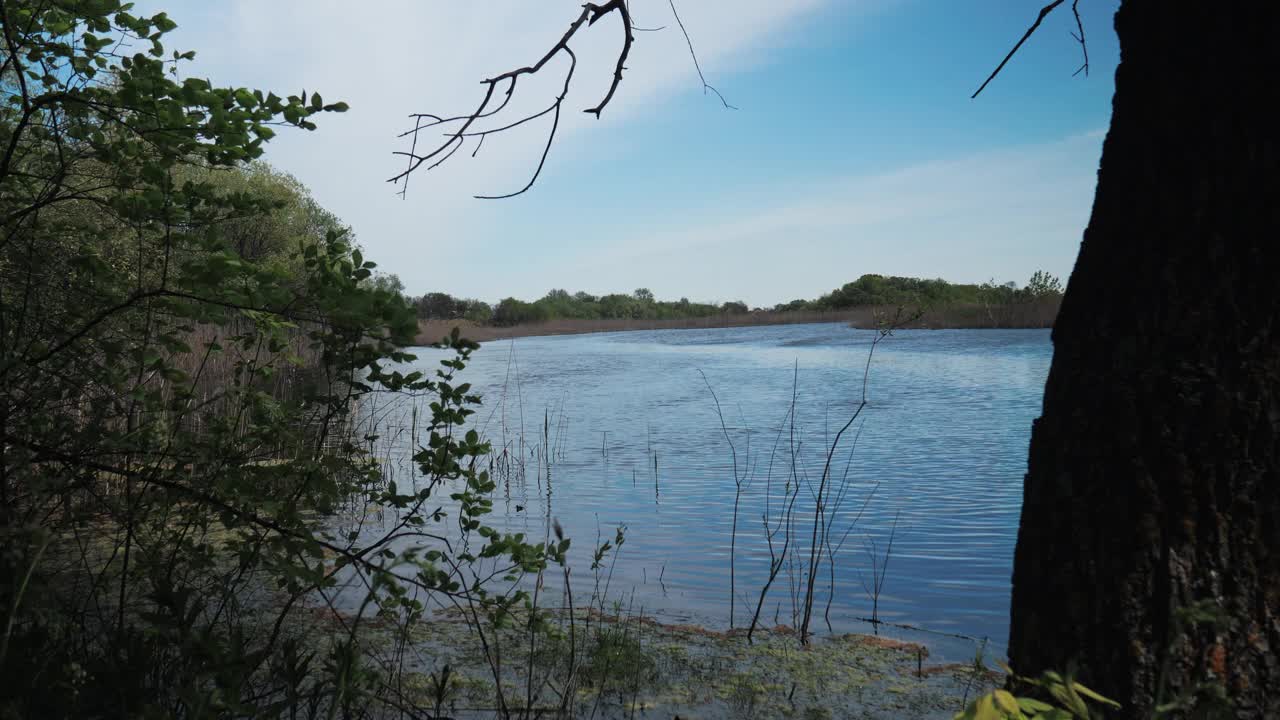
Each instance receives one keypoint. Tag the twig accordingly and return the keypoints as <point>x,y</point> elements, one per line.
<point>879,570</point>
<point>1084,48</point>
<point>785,516</point>
<point>705,85</point>
<point>1044,12</point>
<point>591,13</point>
<point>737,499</point>
<point>551,136</point>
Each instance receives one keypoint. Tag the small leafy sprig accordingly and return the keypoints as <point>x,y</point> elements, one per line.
<point>1072,700</point>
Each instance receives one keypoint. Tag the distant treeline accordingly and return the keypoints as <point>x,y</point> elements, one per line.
<point>868,290</point>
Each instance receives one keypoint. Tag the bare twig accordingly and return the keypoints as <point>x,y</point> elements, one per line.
<point>821,497</point>
<point>777,559</point>
<point>643,29</point>
<point>1084,48</point>
<point>738,479</point>
<point>551,136</point>
<point>1044,12</point>
<point>591,13</point>
<point>461,126</point>
<point>879,570</point>
<point>705,85</point>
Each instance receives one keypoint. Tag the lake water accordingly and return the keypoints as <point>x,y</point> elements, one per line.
<point>935,460</point>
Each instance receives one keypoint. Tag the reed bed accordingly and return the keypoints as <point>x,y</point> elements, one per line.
<point>958,316</point>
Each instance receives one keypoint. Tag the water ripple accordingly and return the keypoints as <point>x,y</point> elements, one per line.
<point>942,444</point>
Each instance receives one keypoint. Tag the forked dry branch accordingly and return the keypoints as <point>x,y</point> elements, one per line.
<point>500,89</point>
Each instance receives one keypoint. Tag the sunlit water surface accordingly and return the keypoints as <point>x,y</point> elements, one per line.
<point>940,450</point>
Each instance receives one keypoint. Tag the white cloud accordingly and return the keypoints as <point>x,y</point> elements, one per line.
<point>390,58</point>
<point>1002,214</point>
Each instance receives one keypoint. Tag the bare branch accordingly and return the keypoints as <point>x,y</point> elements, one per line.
<point>628,39</point>
<point>517,123</point>
<point>437,120</point>
<point>1044,12</point>
<point>591,13</point>
<point>642,29</point>
<point>551,136</point>
<point>416,161</point>
<point>696,66</point>
<point>1084,48</point>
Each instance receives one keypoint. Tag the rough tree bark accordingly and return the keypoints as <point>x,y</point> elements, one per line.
<point>1154,473</point>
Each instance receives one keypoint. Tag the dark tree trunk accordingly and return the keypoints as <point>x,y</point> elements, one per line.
<point>1154,473</point>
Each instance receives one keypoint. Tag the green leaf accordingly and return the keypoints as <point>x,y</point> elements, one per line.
<point>1005,701</point>
<point>1032,706</point>
<point>1094,696</point>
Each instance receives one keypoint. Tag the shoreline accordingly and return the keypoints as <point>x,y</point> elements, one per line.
<point>949,318</point>
<point>620,663</point>
<point>432,330</point>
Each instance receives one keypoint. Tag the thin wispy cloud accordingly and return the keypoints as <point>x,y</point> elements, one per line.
<point>701,201</point>
<point>389,59</point>
<point>964,219</point>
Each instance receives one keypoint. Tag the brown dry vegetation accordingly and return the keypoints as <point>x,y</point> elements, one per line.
<point>1038,314</point>
<point>973,315</point>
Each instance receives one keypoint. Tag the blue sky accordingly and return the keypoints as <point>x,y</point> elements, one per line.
<point>855,147</point>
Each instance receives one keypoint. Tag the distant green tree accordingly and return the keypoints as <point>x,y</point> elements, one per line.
<point>516,312</point>
<point>619,306</point>
<point>793,306</point>
<point>994,293</point>
<point>477,311</point>
<point>389,282</point>
<point>869,290</point>
<point>439,306</point>
<point>1043,286</point>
